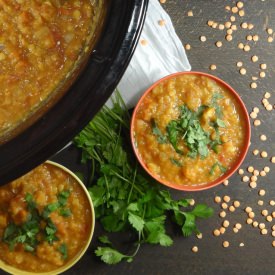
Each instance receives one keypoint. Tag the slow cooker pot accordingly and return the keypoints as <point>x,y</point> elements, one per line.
<point>85,96</point>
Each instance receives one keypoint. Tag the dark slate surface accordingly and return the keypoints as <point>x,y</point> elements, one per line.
<point>257,256</point>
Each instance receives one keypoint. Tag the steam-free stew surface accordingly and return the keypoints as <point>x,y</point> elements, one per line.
<point>189,130</point>
<point>45,220</point>
<point>40,42</point>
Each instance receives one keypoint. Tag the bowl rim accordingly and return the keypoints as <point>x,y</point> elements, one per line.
<point>13,270</point>
<point>243,153</point>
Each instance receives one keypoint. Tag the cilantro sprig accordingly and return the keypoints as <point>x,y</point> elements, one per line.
<point>124,197</point>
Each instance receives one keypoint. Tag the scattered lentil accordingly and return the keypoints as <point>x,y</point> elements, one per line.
<point>236,204</point>
<point>253,184</point>
<point>263,137</point>
<point>241,46</point>
<point>241,171</point>
<point>218,199</point>
<point>144,42</point>
<point>270,39</point>
<point>226,198</point>
<point>239,64</point>
<point>203,38</point>
<point>255,37</point>
<point>190,13</point>
<point>264,154</point>
<point>216,232</point>
<point>235,230</point>
<point>245,179</point>
<point>195,249</point>
<point>260,202</point>
<point>162,22</point>
<point>234,9</point>
<point>264,231</point>
<point>272,202</point>
<point>213,67</point>
<point>250,169</point>
<point>257,122</point>
<point>238,225</point>
<point>248,209</point>
<point>218,44</point>
<point>231,208</point>
<point>224,205</point>
<point>262,192</point>
<point>199,236</point>
<point>261,225</point>
<point>225,223</point>
<point>263,66</point>
<point>255,224</point>
<point>262,173</point>
<point>244,25</point>
<point>256,173</point>
<point>243,71</point>
<point>246,48</point>
<point>222,214</point>
<point>250,26</point>
<point>269,218</point>
<point>251,215</point>
<point>187,47</point>
<point>225,244</point>
<point>222,230</point>
<point>241,13</point>
<point>253,85</point>
<point>255,152</point>
<point>264,212</point>
<point>253,115</point>
<point>229,37</point>
<point>249,221</point>
<point>254,58</point>
<point>241,244</point>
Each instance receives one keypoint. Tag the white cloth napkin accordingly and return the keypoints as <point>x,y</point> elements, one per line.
<point>161,54</point>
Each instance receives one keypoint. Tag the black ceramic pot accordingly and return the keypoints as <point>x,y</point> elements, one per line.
<point>86,96</point>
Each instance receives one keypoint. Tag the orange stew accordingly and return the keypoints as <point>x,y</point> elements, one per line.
<point>45,220</point>
<point>188,130</point>
<point>40,43</point>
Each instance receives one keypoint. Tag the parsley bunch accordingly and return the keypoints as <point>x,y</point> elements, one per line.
<point>123,196</point>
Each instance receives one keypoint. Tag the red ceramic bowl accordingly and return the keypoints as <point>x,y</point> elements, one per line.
<point>230,171</point>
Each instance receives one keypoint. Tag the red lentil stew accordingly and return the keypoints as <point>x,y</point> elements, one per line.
<point>45,220</point>
<point>40,45</point>
<point>189,130</point>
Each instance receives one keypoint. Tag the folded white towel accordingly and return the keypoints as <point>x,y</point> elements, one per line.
<point>161,54</point>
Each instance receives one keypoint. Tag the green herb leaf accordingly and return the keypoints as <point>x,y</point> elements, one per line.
<point>104,239</point>
<point>109,255</point>
<point>136,221</point>
<point>202,211</point>
<point>220,123</point>
<point>157,132</point>
<point>63,250</point>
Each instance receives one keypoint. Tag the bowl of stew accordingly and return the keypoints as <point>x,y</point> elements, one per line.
<point>60,61</point>
<point>190,131</point>
<point>46,221</point>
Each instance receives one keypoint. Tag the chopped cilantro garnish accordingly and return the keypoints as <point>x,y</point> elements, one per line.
<point>63,250</point>
<point>219,165</point>
<point>157,132</point>
<point>27,232</point>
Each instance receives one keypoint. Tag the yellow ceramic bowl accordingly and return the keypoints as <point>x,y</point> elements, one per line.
<point>12,270</point>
